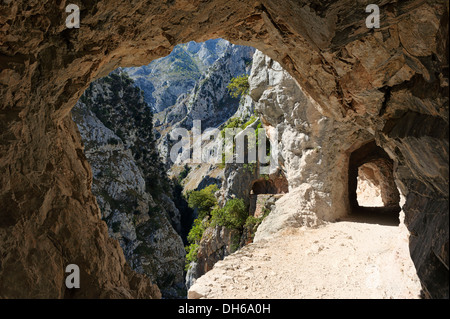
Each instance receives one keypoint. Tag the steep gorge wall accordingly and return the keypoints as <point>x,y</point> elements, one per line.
<point>133,193</point>
<point>391,82</point>
<point>312,147</point>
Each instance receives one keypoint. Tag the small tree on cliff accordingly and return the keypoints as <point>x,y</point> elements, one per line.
<point>203,200</point>
<point>239,86</point>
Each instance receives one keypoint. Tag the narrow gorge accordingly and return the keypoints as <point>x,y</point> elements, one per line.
<point>146,209</point>
<point>353,183</point>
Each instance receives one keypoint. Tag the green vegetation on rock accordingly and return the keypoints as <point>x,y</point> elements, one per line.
<point>203,200</point>
<point>232,215</point>
<point>239,86</point>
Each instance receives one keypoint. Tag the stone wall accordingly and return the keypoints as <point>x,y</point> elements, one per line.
<point>391,83</point>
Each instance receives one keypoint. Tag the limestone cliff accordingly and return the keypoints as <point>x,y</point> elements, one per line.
<point>312,148</point>
<point>165,79</point>
<point>390,82</point>
<point>209,100</point>
<point>129,181</point>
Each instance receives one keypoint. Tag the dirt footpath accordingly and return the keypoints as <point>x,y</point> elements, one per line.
<point>345,259</point>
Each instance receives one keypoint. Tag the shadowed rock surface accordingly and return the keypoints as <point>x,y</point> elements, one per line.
<point>391,83</point>
<point>132,190</point>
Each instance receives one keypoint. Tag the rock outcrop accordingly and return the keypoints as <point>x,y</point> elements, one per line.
<point>129,181</point>
<point>209,99</point>
<point>389,83</point>
<point>312,149</point>
<point>216,243</point>
<point>165,79</point>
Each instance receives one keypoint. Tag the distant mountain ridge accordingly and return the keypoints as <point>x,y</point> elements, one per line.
<point>164,79</point>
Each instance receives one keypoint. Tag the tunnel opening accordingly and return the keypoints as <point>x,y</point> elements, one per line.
<point>268,185</point>
<point>265,191</point>
<point>373,194</point>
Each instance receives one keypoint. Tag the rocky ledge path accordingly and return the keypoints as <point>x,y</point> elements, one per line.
<point>346,259</point>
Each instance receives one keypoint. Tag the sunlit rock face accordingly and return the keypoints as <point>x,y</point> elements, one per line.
<point>391,82</point>
<point>129,181</point>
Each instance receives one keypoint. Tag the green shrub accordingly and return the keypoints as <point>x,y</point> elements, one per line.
<point>232,215</point>
<point>196,232</point>
<point>239,86</point>
<point>250,167</point>
<point>194,237</point>
<point>252,223</point>
<point>192,251</point>
<point>252,119</point>
<point>234,122</point>
<point>184,173</point>
<point>203,200</point>
<point>237,123</point>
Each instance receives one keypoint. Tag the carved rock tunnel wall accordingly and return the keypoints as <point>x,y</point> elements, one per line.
<point>391,81</point>
<point>270,185</point>
<point>380,173</point>
<point>379,168</point>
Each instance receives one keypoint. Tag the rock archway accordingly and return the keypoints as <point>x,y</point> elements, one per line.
<point>392,82</point>
<point>371,162</point>
<point>265,191</point>
<point>272,184</point>
<point>379,173</point>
